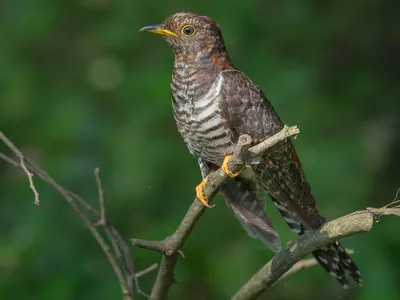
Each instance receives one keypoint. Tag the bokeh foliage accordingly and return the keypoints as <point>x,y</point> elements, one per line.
<point>81,88</point>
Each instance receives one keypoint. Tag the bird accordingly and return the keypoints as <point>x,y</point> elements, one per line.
<point>213,104</point>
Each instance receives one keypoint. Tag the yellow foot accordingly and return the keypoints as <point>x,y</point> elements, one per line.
<point>226,169</point>
<point>200,194</point>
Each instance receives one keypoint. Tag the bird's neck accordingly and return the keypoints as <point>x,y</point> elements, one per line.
<point>206,59</point>
<point>201,67</point>
<point>194,76</point>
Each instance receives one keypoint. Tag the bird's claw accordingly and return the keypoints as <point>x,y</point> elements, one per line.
<point>226,170</point>
<point>200,194</point>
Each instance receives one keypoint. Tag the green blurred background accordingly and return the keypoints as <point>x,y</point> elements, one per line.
<point>81,88</point>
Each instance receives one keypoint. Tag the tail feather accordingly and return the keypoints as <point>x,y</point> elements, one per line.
<point>242,196</point>
<point>333,257</point>
<point>349,264</point>
<point>281,174</point>
<point>329,259</point>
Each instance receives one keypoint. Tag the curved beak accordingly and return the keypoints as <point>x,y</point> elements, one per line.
<point>158,29</point>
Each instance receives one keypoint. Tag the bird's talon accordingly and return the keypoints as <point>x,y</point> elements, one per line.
<point>200,194</point>
<point>226,170</point>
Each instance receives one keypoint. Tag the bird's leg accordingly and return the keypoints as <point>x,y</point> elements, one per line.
<point>200,194</point>
<point>226,169</point>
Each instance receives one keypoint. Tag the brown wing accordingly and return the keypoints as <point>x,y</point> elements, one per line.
<point>249,208</point>
<point>245,110</point>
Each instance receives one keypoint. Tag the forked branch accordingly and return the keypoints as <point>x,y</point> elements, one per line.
<point>118,254</point>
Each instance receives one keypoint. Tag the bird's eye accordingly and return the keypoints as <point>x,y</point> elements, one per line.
<point>188,30</point>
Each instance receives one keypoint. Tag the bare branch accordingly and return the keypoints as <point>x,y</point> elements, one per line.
<point>27,165</point>
<point>102,220</point>
<point>146,271</point>
<point>126,259</point>
<point>45,177</point>
<point>21,164</point>
<point>9,160</point>
<point>280,136</point>
<point>149,245</point>
<point>30,175</point>
<point>272,272</point>
<point>300,265</point>
<point>165,277</point>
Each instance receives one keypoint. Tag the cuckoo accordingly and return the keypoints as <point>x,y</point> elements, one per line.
<point>213,104</point>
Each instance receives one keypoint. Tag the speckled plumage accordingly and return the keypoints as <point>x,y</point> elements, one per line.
<point>213,104</point>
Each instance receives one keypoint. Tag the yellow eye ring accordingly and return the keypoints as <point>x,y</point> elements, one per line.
<point>188,30</point>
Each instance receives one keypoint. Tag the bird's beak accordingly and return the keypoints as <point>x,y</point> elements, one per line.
<point>158,29</point>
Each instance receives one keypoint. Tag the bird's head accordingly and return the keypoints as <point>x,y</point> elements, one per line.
<point>190,35</point>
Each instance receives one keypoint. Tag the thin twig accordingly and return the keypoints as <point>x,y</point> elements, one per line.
<point>396,200</point>
<point>146,271</point>
<point>21,164</point>
<point>45,177</point>
<point>100,240</point>
<point>30,175</point>
<point>9,159</point>
<point>102,220</point>
<point>142,273</point>
<point>120,245</point>
<point>42,174</point>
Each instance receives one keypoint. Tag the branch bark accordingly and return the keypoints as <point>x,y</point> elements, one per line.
<point>273,271</point>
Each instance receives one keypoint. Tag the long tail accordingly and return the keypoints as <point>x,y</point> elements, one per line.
<point>333,257</point>
<point>280,173</point>
<point>336,261</point>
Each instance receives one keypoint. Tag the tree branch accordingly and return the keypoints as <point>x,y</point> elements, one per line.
<point>124,273</point>
<point>165,277</point>
<point>300,265</point>
<point>21,164</point>
<point>273,271</point>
